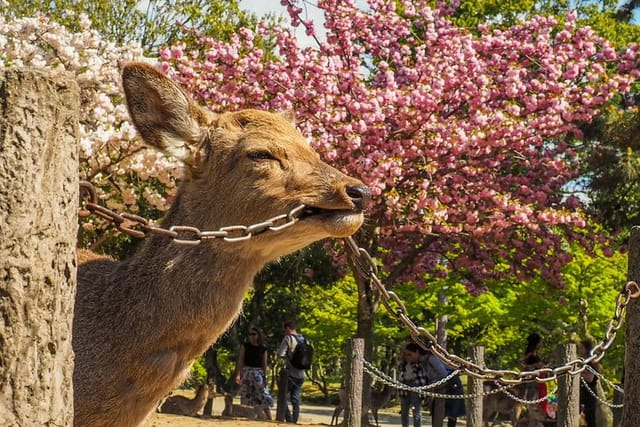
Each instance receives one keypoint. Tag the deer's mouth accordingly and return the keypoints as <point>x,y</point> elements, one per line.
<point>313,212</point>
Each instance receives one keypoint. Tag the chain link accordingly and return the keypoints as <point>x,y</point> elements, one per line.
<point>396,308</point>
<point>531,402</point>
<point>424,390</point>
<point>137,226</point>
<point>605,380</point>
<point>601,400</point>
<point>378,375</point>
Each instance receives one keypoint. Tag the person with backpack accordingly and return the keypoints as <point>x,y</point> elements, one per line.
<point>297,354</point>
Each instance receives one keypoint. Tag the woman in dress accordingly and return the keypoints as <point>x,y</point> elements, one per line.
<point>251,374</point>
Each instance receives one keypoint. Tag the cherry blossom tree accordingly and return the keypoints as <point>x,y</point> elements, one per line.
<point>465,140</point>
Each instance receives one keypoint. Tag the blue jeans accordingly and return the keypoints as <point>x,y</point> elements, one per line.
<point>294,387</point>
<point>413,400</point>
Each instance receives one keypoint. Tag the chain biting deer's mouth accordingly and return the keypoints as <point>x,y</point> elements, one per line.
<point>311,211</point>
<point>332,222</point>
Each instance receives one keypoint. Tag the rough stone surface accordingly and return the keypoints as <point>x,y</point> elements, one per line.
<point>631,402</point>
<point>38,225</point>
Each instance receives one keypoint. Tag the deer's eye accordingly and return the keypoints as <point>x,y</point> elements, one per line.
<point>260,155</point>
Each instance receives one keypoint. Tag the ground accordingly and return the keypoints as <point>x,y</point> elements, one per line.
<point>310,416</point>
<point>164,420</point>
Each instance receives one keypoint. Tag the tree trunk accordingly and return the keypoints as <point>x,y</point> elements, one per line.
<point>568,392</point>
<point>631,409</point>
<point>353,384</point>
<point>475,387</point>
<point>281,402</point>
<point>366,312</point>
<point>38,227</point>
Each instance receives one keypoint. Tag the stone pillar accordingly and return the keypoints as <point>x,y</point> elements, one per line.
<point>631,408</point>
<point>38,226</point>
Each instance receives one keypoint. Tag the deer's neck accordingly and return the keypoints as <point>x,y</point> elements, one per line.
<point>195,292</point>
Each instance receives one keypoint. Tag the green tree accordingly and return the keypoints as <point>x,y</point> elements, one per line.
<point>501,318</point>
<point>152,23</point>
<point>609,18</point>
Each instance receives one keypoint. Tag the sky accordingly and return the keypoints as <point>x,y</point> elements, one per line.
<point>262,7</point>
<point>311,12</point>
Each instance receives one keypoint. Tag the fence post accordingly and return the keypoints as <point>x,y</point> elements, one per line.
<point>38,226</point>
<point>617,412</point>
<point>283,385</point>
<point>353,383</point>
<point>631,408</point>
<point>568,413</point>
<point>475,387</point>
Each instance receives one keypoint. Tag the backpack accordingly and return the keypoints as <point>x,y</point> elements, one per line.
<point>302,354</point>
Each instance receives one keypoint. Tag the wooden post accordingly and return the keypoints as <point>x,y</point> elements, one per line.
<point>38,226</point>
<point>437,412</point>
<point>617,412</point>
<point>631,408</point>
<point>568,414</point>
<point>283,386</point>
<point>475,388</point>
<point>353,383</point>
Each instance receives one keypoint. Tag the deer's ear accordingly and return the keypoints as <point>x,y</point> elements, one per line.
<point>289,115</point>
<point>163,113</point>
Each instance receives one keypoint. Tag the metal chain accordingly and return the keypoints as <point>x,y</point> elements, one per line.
<point>396,308</point>
<point>192,236</point>
<point>423,390</point>
<point>601,400</point>
<point>182,234</point>
<point>377,374</point>
<point>604,379</point>
<point>531,402</point>
<point>595,394</point>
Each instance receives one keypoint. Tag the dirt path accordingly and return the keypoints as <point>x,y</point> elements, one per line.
<point>310,415</point>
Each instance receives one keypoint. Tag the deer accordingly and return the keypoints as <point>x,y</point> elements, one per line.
<point>139,322</point>
<point>181,405</point>
<point>241,411</point>
<point>379,398</point>
<point>342,396</point>
<point>496,404</point>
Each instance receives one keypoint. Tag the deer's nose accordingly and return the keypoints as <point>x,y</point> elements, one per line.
<point>360,195</point>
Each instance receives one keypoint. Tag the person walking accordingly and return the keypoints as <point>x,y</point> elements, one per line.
<point>412,374</point>
<point>295,376</point>
<point>251,374</point>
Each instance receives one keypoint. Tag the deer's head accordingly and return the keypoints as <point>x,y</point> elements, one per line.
<point>243,167</point>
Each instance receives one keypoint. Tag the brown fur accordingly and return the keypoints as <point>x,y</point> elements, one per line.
<point>240,411</point>
<point>181,405</point>
<point>379,398</point>
<point>497,404</point>
<point>139,322</point>
<point>502,404</point>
